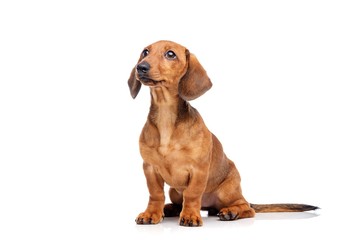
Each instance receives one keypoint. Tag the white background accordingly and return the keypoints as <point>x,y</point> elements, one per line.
<point>284,103</point>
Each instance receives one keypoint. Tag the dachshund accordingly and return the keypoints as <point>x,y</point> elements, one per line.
<point>178,149</point>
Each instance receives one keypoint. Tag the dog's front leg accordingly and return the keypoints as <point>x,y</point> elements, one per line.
<point>190,214</point>
<point>154,211</point>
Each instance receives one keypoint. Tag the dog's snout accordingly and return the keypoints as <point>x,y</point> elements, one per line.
<point>143,67</point>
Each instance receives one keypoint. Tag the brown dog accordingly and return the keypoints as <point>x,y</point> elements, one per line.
<point>178,149</point>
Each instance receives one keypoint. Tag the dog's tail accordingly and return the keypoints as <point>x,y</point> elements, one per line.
<point>282,207</point>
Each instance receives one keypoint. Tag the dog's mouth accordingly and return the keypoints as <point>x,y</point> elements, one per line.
<point>150,82</point>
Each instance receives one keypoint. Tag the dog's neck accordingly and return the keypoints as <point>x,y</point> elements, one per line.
<point>165,106</point>
<point>166,110</point>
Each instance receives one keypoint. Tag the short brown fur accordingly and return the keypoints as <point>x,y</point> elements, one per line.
<point>178,149</point>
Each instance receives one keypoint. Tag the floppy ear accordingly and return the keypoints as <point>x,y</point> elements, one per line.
<point>134,84</point>
<point>195,82</point>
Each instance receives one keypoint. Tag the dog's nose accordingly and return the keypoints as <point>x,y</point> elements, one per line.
<point>143,67</point>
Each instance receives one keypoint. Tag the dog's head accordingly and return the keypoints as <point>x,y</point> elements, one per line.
<point>168,64</point>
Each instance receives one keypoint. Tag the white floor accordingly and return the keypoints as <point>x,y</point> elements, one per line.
<point>271,225</point>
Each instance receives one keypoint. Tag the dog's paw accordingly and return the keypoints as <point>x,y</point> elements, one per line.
<point>236,212</point>
<point>226,215</point>
<point>149,218</point>
<point>190,219</point>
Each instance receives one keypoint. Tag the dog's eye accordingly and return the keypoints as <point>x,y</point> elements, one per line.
<point>170,55</point>
<point>145,53</point>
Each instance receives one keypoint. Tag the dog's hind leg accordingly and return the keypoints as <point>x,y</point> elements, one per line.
<point>231,201</point>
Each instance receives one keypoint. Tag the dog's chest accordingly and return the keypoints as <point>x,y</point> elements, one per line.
<point>170,158</point>
<point>170,146</point>
<point>174,174</point>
